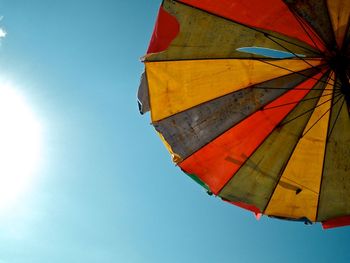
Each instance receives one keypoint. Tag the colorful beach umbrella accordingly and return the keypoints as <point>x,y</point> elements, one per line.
<point>252,100</point>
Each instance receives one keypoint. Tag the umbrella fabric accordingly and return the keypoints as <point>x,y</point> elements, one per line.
<point>252,100</point>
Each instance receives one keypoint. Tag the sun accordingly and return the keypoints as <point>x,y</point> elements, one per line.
<point>20,144</point>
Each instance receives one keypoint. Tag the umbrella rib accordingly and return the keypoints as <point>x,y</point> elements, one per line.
<point>325,155</point>
<point>218,58</point>
<point>285,166</point>
<point>333,85</point>
<point>229,58</point>
<point>296,55</point>
<point>218,135</point>
<point>332,105</point>
<point>247,159</point>
<point>254,87</point>
<point>253,28</point>
<point>302,22</point>
<point>281,173</point>
<point>288,88</point>
<point>282,124</point>
<point>247,116</point>
<point>235,124</point>
<point>336,119</point>
<point>294,102</point>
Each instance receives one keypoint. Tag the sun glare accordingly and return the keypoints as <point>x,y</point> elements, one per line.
<point>20,144</point>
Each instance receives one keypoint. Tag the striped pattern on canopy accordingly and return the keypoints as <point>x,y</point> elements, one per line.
<point>269,134</point>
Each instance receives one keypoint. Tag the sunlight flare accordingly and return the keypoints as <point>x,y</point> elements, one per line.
<point>20,144</point>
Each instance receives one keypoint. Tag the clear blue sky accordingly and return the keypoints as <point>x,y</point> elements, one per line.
<point>107,190</point>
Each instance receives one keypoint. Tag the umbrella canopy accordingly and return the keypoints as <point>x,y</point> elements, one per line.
<point>252,100</point>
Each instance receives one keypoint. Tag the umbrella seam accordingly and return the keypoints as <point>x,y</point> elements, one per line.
<point>285,165</point>
<point>259,147</point>
<point>253,28</point>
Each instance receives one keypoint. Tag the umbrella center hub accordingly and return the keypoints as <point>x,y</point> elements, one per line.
<point>340,63</point>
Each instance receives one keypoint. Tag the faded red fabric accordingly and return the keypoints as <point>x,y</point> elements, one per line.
<point>165,30</point>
